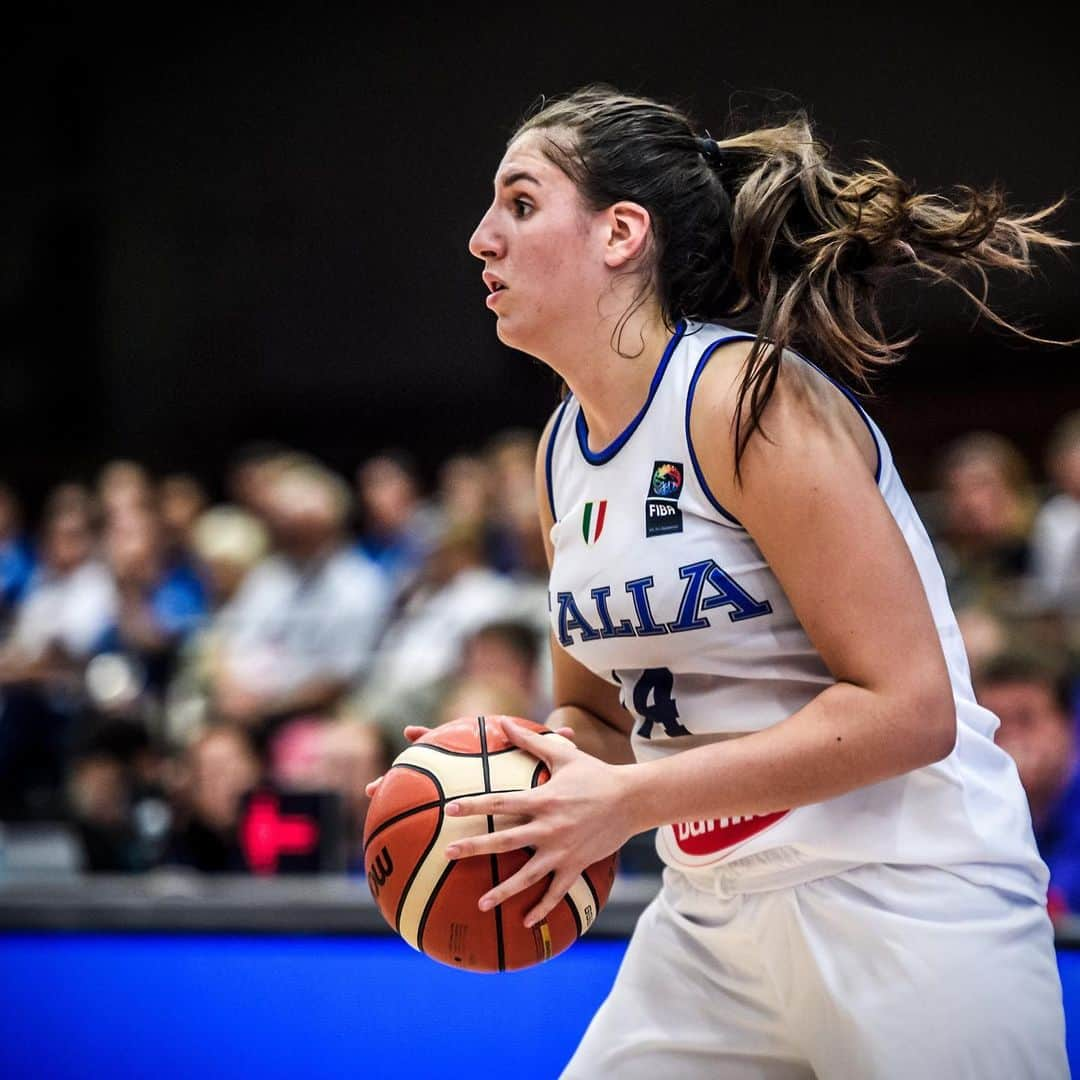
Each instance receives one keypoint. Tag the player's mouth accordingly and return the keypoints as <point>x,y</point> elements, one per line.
<point>495,286</point>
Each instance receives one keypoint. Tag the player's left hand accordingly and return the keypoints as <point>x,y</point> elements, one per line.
<point>572,821</point>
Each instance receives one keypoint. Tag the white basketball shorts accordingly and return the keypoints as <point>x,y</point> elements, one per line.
<point>912,973</point>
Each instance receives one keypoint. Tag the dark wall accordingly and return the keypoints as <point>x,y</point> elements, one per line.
<point>241,224</point>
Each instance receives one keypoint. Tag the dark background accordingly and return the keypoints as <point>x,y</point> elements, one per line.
<point>221,225</point>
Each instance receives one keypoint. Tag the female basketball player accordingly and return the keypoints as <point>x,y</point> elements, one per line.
<point>742,592</point>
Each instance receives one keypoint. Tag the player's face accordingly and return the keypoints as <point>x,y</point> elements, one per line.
<point>541,248</point>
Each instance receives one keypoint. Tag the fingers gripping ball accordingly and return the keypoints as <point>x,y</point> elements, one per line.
<point>432,902</point>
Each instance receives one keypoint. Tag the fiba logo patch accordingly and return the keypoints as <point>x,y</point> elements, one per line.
<point>662,513</point>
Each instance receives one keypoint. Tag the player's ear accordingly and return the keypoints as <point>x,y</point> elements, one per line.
<point>628,226</point>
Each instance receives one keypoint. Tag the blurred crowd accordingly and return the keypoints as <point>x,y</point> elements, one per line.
<point>178,674</point>
<point>164,657</point>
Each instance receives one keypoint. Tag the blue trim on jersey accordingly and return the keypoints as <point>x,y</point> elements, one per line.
<point>858,408</point>
<point>735,335</point>
<point>690,399</point>
<point>551,454</point>
<point>604,456</point>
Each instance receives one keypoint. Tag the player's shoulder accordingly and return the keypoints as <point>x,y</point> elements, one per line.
<point>797,386</point>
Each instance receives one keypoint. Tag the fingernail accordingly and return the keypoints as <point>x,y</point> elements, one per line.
<point>486,904</point>
<point>452,809</point>
<point>453,851</point>
<point>529,921</point>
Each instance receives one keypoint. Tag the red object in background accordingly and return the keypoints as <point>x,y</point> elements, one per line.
<point>266,834</point>
<point>1056,905</point>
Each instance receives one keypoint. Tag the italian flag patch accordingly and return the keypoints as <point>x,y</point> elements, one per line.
<point>592,521</point>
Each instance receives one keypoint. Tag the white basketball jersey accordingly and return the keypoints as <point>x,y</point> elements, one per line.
<point>655,587</point>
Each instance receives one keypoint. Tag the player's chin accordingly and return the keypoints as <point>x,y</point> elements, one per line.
<point>514,335</point>
<point>504,330</point>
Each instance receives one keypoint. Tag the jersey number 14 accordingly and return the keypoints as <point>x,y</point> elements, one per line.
<point>653,702</point>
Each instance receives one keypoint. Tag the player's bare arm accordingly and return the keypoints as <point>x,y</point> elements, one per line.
<point>809,500</point>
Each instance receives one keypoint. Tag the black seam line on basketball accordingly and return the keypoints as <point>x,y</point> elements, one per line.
<point>419,809</point>
<point>441,801</point>
<point>430,904</point>
<point>466,753</point>
<point>416,870</point>
<point>573,911</point>
<point>595,894</point>
<point>494,860</point>
<point>427,851</point>
<point>497,912</point>
<point>484,763</point>
<point>540,767</point>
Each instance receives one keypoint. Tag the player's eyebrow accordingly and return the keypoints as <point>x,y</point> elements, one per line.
<point>514,177</point>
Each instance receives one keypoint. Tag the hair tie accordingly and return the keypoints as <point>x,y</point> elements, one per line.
<point>710,150</point>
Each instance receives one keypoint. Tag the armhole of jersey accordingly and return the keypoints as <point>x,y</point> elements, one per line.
<point>858,408</point>
<point>705,356</point>
<point>549,455</point>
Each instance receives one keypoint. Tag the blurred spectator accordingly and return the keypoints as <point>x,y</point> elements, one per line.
<point>457,595</point>
<point>181,500</point>
<point>984,632</point>
<point>296,754</point>
<point>517,545</point>
<point>507,654</point>
<point>123,488</point>
<point>251,474</point>
<point>987,511</point>
<point>473,695</point>
<point>69,604</point>
<point>158,605</point>
<point>397,526</point>
<point>98,795</point>
<point>465,493</point>
<point>118,800</point>
<point>1056,532</point>
<point>1032,702</point>
<point>69,599</point>
<point>221,767</point>
<point>341,757</point>
<point>16,557</point>
<point>227,543</point>
<point>302,628</point>
<point>354,752</point>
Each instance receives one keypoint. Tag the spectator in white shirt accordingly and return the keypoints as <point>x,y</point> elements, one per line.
<point>302,628</point>
<point>1055,536</point>
<point>69,605</point>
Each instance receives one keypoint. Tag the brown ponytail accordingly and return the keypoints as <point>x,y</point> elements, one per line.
<point>761,224</point>
<point>811,245</point>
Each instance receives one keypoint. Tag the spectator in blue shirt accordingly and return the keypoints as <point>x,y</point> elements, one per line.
<point>1039,732</point>
<point>158,604</point>
<point>16,559</point>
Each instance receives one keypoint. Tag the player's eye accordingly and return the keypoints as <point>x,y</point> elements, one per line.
<point>522,208</point>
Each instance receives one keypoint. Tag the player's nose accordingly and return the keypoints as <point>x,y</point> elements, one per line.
<point>485,242</point>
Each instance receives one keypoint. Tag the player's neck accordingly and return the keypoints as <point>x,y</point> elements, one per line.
<point>610,372</point>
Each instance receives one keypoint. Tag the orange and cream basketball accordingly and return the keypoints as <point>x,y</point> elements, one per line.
<point>433,902</point>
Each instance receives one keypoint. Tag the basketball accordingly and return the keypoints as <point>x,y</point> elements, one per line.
<point>432,902</point>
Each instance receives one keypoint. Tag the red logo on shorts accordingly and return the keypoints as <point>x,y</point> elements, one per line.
<point>709,837</point>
